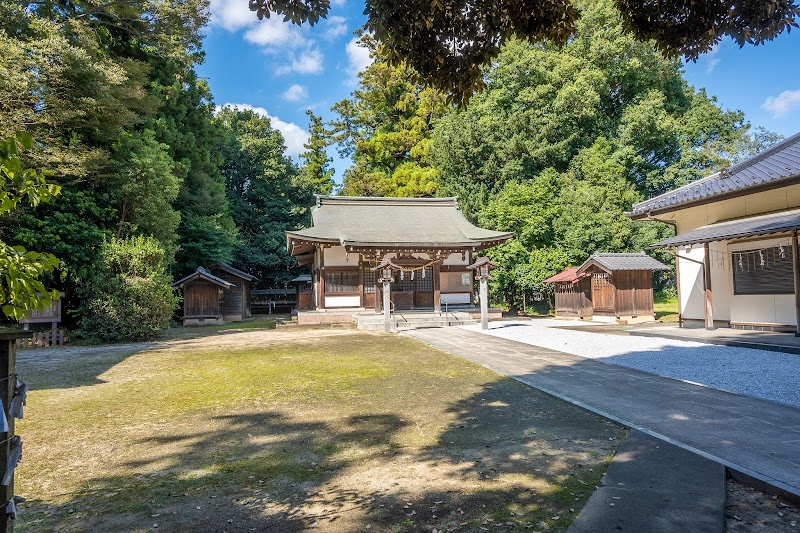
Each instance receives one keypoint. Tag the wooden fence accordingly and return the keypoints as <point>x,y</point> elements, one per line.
<point>43,339</point>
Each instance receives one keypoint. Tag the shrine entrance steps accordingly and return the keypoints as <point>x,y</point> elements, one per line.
<point>404,320</point>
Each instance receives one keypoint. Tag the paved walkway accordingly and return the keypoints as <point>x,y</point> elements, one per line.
<point>758,440</point>
<point>656,487</point>
<point>760,340</point>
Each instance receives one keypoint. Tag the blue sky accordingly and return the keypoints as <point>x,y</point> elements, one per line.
<point>281,70</point>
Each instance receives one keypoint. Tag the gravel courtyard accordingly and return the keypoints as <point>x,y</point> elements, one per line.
<point>758,373</point>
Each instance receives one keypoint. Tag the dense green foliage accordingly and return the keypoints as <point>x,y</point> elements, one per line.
<point>385,126</point>
<point>316,172</point>
<point>563,140</point>
<point>21,287</point>
<point>128,131</point>
<point>266,195</point>
<point>448,42</point>
<point>128,296</point>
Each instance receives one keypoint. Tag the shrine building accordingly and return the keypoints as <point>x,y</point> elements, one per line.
<point>428,238</point>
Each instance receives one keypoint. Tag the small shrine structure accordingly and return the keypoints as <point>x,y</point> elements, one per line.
<point>608,287</point>
<point>216,295</point>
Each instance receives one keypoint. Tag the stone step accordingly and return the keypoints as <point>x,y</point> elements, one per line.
<point>412,321</point>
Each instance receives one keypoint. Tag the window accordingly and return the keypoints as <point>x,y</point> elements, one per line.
<point>369,280</point>
<point>764,271</point>
<point>346,281</point>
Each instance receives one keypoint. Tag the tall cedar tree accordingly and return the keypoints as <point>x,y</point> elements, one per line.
<point>265,193</point>
<point>385,126</point>
<point>104,89</point>
<point>315,171</point>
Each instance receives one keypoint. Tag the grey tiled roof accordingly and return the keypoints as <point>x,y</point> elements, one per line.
<point>736,229</point>
<point>202,273</point>
<point>360,221</point>
<point>235,271</point>
<point>615,262</point>
<point>773,166</point>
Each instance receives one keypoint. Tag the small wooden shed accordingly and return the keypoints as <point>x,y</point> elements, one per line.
<point>573,296</point>
<point>203,297</point>
<point>235,299</point>
<point>608,286</point>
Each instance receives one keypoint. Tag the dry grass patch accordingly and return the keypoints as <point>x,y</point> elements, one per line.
<point>295,430</point>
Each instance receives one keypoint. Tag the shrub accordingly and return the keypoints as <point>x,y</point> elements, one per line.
<point>129,297</point>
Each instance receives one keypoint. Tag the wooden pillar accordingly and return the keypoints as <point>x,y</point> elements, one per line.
<point>360,284</point>
<point>796,271</point>
<point>377,293</point>
<point>709,308</point>
<point>8,382</point>
<point>321,283</point>
<point>678,287</point>
<point>437,288</point>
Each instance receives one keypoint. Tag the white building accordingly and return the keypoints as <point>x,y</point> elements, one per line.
<point>736,242</point>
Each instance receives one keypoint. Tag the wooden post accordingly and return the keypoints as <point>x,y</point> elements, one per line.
<point>8,382</point>
<point>484,303</point>
<point>321,284</point>
<point>709,314</point>
<point>796,271</point>
<point>678,287</point>
<point>387,303</point>
<point>437,288</point>
<point>360,284</point>
<point>377,294</point>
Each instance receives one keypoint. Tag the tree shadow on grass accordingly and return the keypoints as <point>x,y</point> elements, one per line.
<point>509,455</point>
<point>255,470</point>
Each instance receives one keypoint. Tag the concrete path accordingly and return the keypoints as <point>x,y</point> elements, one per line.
<point>759,340</point>
<point>656,487</point>
<point>758,440</point>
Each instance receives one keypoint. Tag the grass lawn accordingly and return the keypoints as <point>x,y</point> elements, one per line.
<point>666,308</point>
<point>289,430</point>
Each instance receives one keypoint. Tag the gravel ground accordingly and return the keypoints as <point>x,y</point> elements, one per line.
<point>758,373</point>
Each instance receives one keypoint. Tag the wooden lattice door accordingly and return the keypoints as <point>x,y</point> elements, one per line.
<point>602,292</point>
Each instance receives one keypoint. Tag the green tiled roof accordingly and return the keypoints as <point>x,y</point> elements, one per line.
<point>359,221</point>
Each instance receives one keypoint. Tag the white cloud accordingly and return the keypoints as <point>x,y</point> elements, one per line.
<point>306,62</point>
<point>713,59</point>
<point>293,135</point>
<point>358,57</point>
<point>232,15</point>
<point>295,93</point>
<point>335,27</point>
<point>782,104</point>
<point>274,33</point>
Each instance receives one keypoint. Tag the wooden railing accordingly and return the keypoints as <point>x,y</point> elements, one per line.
<point>43,339</point>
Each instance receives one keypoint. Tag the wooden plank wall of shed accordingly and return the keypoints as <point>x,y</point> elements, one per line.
<point>634,292</point>
<point>200,299</point>
<point>574,299</point>
<point>233,298</point>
